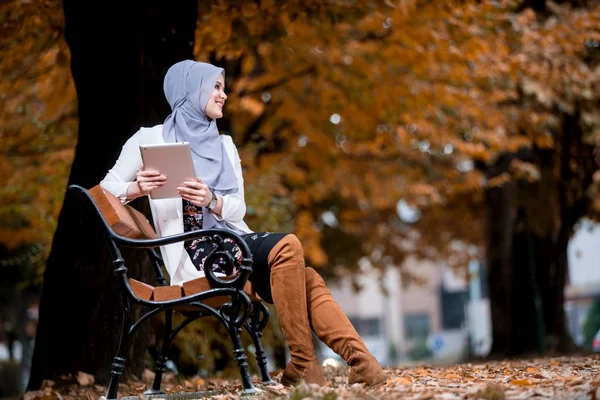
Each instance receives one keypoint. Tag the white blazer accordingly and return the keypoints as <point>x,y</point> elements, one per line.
<point>168,213</point>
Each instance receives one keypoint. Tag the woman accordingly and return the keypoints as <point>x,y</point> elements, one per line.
<point>196,93</point>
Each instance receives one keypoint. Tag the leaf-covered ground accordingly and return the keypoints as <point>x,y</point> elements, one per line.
<point>547,378</point>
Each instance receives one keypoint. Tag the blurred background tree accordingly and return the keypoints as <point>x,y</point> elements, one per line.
<point>373,130</point>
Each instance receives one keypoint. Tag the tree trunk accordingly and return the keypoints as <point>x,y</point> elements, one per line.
<point>529,228</point>
<point>527,280</point>
<point>523,298</point>
<point>120,53</point>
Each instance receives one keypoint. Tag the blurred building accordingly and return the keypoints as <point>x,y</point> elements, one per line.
<point>448,317</point>
<point>445,318</point>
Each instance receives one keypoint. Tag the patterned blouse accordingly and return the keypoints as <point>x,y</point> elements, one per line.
<point>198,249</point>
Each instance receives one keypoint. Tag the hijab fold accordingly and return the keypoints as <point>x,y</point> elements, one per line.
<point>188,86</point>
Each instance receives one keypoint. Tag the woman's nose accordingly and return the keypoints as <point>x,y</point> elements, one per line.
<point>223,95</point>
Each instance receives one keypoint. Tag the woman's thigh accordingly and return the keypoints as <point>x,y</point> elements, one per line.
<point>261,244</point>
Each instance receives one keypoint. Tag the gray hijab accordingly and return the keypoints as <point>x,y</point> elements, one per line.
<point>188,86</point>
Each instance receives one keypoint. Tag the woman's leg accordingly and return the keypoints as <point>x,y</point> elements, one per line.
<point>279,276</point>
<point>335,330</point>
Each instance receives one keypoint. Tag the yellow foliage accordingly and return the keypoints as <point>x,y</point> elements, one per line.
<point>360,105</point>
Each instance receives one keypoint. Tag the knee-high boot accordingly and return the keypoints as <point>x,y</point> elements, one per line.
<point>288,287</point>
<point>335,330</point>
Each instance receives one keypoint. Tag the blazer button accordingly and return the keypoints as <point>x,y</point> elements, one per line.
<point>164,219</point>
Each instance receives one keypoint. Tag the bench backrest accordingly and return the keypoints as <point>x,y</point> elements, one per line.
<point>126,221</point>
<point>123,219</point>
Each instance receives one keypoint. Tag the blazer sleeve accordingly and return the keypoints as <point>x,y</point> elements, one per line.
<point>124,171</point>
<point>234,205</point>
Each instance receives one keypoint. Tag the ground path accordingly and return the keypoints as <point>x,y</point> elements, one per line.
<point>563,378</point>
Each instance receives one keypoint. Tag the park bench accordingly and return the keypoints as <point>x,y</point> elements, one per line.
<point>229,299</point>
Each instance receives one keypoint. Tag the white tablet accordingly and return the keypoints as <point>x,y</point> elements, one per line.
<point>173,160</point>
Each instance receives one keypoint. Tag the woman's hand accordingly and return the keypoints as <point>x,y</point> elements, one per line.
<point>145,182</point>
<point>196,192</point>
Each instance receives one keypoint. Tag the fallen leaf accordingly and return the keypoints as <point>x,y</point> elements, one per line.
<point>278,390</point>
<point>566,372</point>
<point>576,382</point>
<point>199,382</point>
<point>399,381</point>
<point>545,374</point>
<point>85,379</point>
<point>148,376</point>
<point>37,395</point>
<point>140,389</point>
<point>520,382</point>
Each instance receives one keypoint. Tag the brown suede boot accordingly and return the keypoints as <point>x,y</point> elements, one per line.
<point>335,330</point>
<point>288,287</point>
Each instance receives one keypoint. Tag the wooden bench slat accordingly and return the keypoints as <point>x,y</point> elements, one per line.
<point>201,284</point>
<point>141,289</point>
<point>164,293</point>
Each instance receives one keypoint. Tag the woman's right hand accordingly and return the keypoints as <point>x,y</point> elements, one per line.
<point>146,181</point>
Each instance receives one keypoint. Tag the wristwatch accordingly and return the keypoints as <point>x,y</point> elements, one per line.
<point>213,203</point>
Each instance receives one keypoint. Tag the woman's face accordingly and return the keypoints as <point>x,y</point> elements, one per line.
<point>214,107</point>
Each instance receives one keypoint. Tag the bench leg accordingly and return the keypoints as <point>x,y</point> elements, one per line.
<point>230,316</point>
<point>118,365</point>
<point>257,322</point>
<point>161,360</point>
<point>240,358</point>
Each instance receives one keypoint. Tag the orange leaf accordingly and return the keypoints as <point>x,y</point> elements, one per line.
<point>401,380</point>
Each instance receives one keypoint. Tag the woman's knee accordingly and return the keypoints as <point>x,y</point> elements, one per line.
<point>289,247</point>
<point>294,244</point>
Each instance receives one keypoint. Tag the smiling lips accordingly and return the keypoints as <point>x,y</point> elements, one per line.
<point>220,104</point>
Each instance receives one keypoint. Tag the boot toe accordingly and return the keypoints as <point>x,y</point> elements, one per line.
<point>371,377</point>
<point>309,373</point>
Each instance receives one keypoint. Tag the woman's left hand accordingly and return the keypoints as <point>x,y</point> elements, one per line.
<point>196,192</point>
